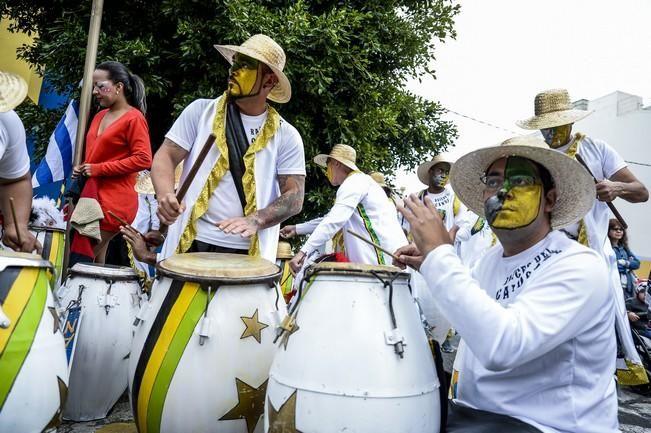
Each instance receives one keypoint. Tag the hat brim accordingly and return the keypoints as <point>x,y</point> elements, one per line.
<point>575,190</point>
<point>423,169</point>
<point>322,160</point>
<point>13,90</point>
<point>282,92</point>
<point>554,119</point>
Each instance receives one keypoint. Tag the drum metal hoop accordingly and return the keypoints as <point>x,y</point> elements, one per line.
<point>230,281</point>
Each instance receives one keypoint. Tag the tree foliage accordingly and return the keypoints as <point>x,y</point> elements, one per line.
<point>347,61</point>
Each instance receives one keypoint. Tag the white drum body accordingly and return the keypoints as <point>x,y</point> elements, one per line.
<point>33,371</point>
<point>202,350</point>
<point>109,297</point>
<point>341,369</point>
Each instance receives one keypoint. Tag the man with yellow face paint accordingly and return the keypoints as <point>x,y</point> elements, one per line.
<point>253,177</point>
<point>535,314</point>
<point>554,117</point>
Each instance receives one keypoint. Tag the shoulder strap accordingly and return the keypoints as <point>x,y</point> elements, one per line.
<point>237,147</point>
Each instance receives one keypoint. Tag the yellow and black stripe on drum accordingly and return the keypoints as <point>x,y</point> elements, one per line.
<point>53,249</point>
<point>170,333</point>
<point>23,293</point>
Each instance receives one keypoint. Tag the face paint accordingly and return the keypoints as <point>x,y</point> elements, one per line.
<point>439,176</point>
<point>517,202</point>
<point>329,173</point>
<point>243,76</point>
<point>558,136</point>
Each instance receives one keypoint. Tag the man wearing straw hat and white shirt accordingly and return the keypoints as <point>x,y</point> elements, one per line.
<point>554,117</point>
<point>360,206</point>
<point>535,314</point>
<point>15,178</point>
<point>254,175</point>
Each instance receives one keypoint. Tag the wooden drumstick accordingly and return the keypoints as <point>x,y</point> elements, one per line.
<point>13,215</point>
<point>124,223</point>
<point>368,241</point>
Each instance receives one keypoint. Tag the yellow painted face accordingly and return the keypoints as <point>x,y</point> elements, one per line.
<point>517,196</point>
<point>243,76</point>
<point>558,136</point>
<point>329,173</point>
<point>440,174</point>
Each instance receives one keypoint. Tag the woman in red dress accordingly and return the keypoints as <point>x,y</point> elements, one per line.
<point>117,147</point>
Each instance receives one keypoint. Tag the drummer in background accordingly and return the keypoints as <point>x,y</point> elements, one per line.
<point>361,206</point>
<point>15,178</point>
<point>252,179</point>
<point>535,314</point>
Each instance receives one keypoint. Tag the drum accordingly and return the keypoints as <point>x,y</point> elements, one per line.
<point>202,351</point>
<point>353,356</point>
<point>33,373</point>
<point>100,302</point>
<point>53,241</point>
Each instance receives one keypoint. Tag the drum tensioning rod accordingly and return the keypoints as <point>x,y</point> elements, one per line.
<point>398,346</point>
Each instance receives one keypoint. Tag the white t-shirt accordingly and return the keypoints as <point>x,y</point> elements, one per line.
<point>444,203</point>
<point>363,207</point>
<point>224,202</point>
<point>14,160</point>
<point>538,334</point>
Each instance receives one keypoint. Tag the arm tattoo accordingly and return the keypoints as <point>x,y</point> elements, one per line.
<point>290,202</point>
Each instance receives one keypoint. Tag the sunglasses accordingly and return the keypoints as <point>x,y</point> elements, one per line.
<point>617,229</point>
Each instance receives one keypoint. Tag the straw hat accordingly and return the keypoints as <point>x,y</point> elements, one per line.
<point>340,152</point>
<point>552,108</point>
<point>379,178</point>
<point>423,169</point>
<point>267,51</point>
<point>284,250</point>
<point>574,186</point>
<point>13,90</point>
<point>144,184</point>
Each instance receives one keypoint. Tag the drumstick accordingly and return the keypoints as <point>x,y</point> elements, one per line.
<point>13,215</point>
<point>360,237</point>
<point>124,223</point>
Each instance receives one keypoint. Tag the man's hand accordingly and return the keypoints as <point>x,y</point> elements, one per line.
<point>426,225</point>
<point>28,242</point>
<point>154,238</point>
<point>169,209</point>
<point>409,256</point>
<point>296,263</point>
<point>244,226</point>
<point>288,232</point>
<point>608,190</point>
<point>138,246</point>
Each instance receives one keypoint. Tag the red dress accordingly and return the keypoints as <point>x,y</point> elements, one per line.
<point>116,156</point>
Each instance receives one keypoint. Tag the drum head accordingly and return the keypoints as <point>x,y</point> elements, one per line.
<point>218,267</point>
<point>115,273</point>
<point>23,260</point>
<point>343,268</point>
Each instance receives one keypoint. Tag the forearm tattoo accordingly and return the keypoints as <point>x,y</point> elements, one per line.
<point>290,202</point>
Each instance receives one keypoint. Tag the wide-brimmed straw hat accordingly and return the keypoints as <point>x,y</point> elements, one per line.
<point>13,90</point>
<point>378,178</point>
<point>340,152</point>
<point>284,250</point>
<point>574,186</point>
<point>144,185</point>
<point>423,169</point>
<point>267,51</point>
<point>552,108</point>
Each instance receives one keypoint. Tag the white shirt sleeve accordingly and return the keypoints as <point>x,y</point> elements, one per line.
<point>291,156</point>
<point>611,161</point>
<point>14,162</point>
<point>184,129</point>
<point>349,195</point>
<point>554,308</point>
<point>308,226</point>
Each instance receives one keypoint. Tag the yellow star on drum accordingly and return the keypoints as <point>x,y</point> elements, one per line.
<point>250,404</point>
<point>284,419</point>
<point>253,326</point>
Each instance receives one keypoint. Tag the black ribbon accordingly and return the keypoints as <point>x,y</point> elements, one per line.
<point>237,146</point>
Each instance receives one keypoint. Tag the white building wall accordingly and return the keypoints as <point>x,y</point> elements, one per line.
<point>621,120</point>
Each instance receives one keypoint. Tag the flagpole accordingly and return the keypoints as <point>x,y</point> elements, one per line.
<point>84,106</point>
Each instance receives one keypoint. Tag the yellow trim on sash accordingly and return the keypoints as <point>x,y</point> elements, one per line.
<point>269,129</point>
<point>571,152</point>
<point>634,375</point>
<point>177,313</point>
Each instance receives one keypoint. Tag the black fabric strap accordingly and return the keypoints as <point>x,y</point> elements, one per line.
<point>463,419</point>
<point>237,147</point>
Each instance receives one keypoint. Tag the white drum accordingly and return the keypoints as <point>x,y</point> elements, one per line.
<point>201,354</point>
<point>353,357</point>
<point>33,373</point>
<point>100,302</point>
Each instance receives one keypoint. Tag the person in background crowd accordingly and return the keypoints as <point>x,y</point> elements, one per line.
<point>117,148</point>
<point>536,314</point>
<point>626,260</point>
<point>15,178</point>
<point>638,311</point>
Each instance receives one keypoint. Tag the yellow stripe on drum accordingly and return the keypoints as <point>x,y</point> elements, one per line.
<point>177,313</point>
<point>24,306</point>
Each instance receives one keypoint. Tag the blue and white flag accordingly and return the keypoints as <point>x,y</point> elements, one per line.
<point>57,164</point>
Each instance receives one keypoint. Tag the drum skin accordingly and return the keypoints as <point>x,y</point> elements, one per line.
<point>33,371</point>
<point>178,384</point>
<point>99,367</point>
<point>349,377</point>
